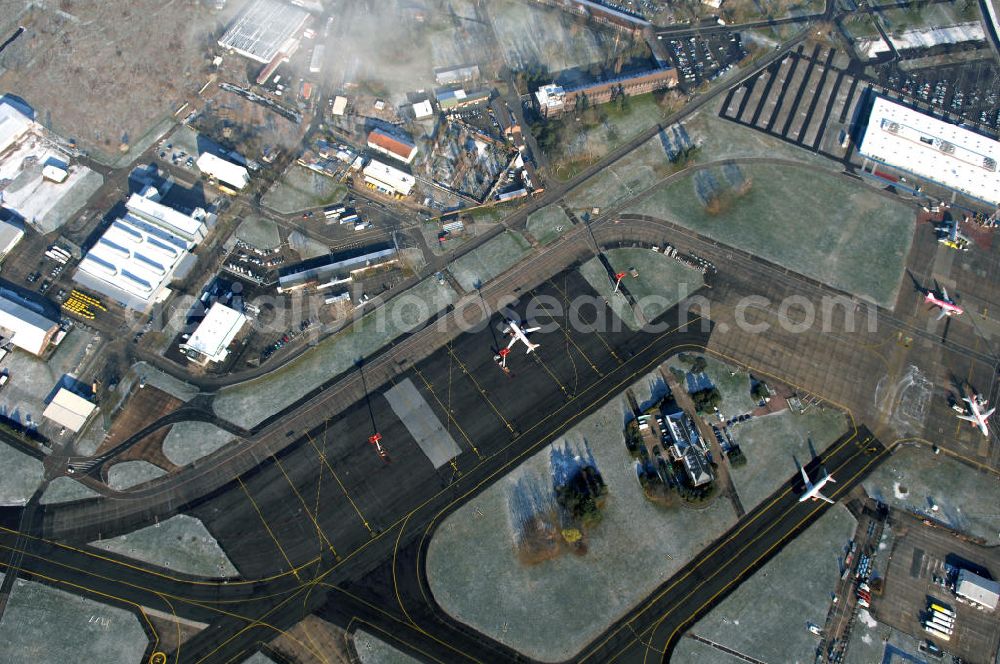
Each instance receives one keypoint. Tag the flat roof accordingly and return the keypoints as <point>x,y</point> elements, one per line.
<point>933,149</point>
<point>13,124</point>
<point>216,331</point>
<point>265,28</point>
<point>423,109</point>
<point>339,105</point>
<point>28,329</point>
<point>132,261</point>
<point>171,220</point>
<point>394,178</point>
<point>980,590</point>
<point>69,410</point>
<point>10,234</point>
<point>223,170</point>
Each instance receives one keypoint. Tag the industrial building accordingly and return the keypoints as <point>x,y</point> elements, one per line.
<point>450,100</point>
<point>139,254</point>
<point>695,464</point>
<point>11,233</point>
<point>69,410</point>
<point>552,100</point>
<point>456,75</point>
<point>932,149</point>
<point>334,269</point>
<point>394,146</point>
<point>265,29</point>
<point>316,61</point>
<point>339,105</point>
<point>388,179</point>
<point>226,172</point>
<point>24,325</point>
<point>601,13</point>
<point>13,125</point>
<point>423,109</point>
<point>211,339</point>
<point>978,590</point>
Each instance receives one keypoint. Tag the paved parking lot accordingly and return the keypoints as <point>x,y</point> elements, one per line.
<point>920,553</point>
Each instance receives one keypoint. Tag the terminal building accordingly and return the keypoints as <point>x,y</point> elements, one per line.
<point>139,254</point>
<point>388,179</point>
<point>978,590</point>
<point>25,325</point>
<point>934,150</point>
<point>392,146</point>
<point>211,339</point>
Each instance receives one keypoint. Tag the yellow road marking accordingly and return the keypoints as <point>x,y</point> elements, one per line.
<point>267,527</point>
<point>447,412</point>
<point>326,463</point>
<point>482,392</point>
<point>319,530</point>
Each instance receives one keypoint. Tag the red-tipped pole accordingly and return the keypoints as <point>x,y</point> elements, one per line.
<point>618,280</point>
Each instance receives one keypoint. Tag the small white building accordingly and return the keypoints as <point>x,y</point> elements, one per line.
<point>69,410</point>
<point>339,105</point>
<point>388,179</point>
<point>13,125</point>
<point>551,99</point>
<point>978,590</point>
<point>55,173</point>
<point>423,109</point>
<point>26,328</point>
<point>226,172</point>
<point>210,340</point>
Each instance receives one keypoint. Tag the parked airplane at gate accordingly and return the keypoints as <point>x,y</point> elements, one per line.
<point>518,333</point>
<point>945,303</point>
<point>975,415</point>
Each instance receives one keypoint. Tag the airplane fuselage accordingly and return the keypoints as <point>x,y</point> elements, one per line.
<point>947,306</point>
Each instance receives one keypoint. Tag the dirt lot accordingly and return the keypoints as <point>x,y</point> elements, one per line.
<point>142,408</point>
<point>106,72</point>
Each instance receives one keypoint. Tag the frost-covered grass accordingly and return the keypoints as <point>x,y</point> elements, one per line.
<point>767,616</point>
<point>772,443</point>
<point>301,189</point>
<point>20,477</point>
<point>548,224</point>
<point>181,543</point>
<point>487,261</point>
<point>66,489</point>
<point>914,479</point>
<point>733,386</point>
<point>476,576</point>
<point>251,402</point>
<point>259,231</point>
<point>127,474</point>
<point>46,625</point>
<point>373,650</point>
<point>188,441</point>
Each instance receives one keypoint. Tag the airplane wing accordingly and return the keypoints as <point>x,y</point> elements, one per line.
<point>805,477</point>
<point>988,413</point>
<point>822,497</point>
<point>944,312</point>
<point>531,329</point>
<point>969,418</point>
<point>944,292</point>
<point>513,340</point>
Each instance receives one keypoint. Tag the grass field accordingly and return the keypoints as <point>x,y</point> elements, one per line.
<point>489,260</point>
<point>734,387</point>
<point>914,478</point>
<point>181,543</point>
<point>45,625</point>
<point>662,282</point>
<point>773,443</point>
<point>551,609</point>
<point>768,615</point>
<point>373,650</point>
<point>859,243</point>
<point>127,474</point>
<point>188,441</point>
<point>65,489</point>
<point>301,189</point>
<point>548,224</point>
<point>22,475</point>
<point>259,231</point>
<point>251,402</point>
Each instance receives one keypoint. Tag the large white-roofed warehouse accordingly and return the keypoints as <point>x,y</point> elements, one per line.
<point>932,149</point>
<point>224,171</point>
<point>982,591</point>
<point>264,29</point>
<point>69,410</point>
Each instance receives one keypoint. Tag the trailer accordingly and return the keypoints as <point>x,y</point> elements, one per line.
<point>943,616</point>
<point>941,609</point>
<point>938,634</point>
<point>334,211</point>
<point>350,218</point>
<point>939,622</point>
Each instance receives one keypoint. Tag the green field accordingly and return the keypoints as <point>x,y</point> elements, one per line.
<point>820,225</point>
<point>300,189</point>
<point>548,224</point>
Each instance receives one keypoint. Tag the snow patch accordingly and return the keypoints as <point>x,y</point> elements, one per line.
<point>867,619</point>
